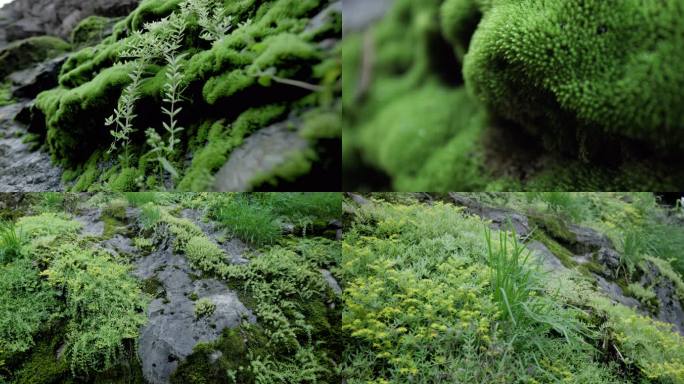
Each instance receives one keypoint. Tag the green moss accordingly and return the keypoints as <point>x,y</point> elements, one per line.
<point>562,253</point>
<point>75,118</point>
<point>226,85</point>
<point>150,10</point>
<point>582,75</point>
<point>6,94</point>
<point>84,65</point>
<point>89,31</point>
<point>322,124</point>
<point>297,164</point>
<point>413,138</point>
<point>221,140</point>
<point>554,226</point>
<point>87,175</point>
<point>42,366</point>
<point>125,181</point>
<point>116,208</point>
<point>21,54</point>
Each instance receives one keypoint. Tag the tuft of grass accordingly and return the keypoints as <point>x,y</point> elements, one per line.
<point>11,241</point>
<point>150,215</point>
<point>510,276</point>
<point>253,223</point>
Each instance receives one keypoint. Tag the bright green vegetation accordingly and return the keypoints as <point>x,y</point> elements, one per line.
<point>537,95</point>
<point>5,94</point>
<point>180,85</point>
<point>433,295</point>
<point>60,293</point>
<point>257,218</point>
<point>89,31</point>
<point>582,71</point>
<point>71,309</point>
<point>204,307</point>
<point>297,337</point>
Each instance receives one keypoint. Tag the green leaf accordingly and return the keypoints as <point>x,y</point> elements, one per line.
<point>168,167</point>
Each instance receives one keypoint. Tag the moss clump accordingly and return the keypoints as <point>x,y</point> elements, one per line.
<point>204,308</point>
<point>21,54</point>
<point>216,141</point>
<point>413,137</point>
<point>581,74</point>
<point>89,31</point>
<point>74,117</point>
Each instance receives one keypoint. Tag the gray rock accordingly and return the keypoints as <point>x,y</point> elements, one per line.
<point>90,220</point>
<point>30,82</point>
<point>22,168</point>
<point>614,292</point>
<point>550,263</point>
<point>669,305</point>
<point>331,281</point>
<point>25,18</point>
<point>499,217</point>
<point>610,259</point>
<point>588,240</point>
<point>260,154</point>
<point>173,329</point>
<point>121,245</point>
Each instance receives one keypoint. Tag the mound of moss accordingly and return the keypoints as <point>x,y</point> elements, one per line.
<point>21,54</point>
<point>242,66</point>
<point>580,71</point>
<point>89,31</point>
<point>586,91</point>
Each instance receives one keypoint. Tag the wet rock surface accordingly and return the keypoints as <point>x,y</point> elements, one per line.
<point>550,263</point>
<point>499,217</point>
<point>670,306</point>
<point>173,329</point>
<point>25,18</point>
<point>260,154</point>
<point>22,168</point>
<point>30,82</point>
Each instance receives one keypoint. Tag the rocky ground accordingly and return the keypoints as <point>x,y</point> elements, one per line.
<point>173,335</point>
<point>22,167</point>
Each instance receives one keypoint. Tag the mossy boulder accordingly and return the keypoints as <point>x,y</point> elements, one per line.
<point>274,57</point>
<point>21,54</point>
<point>90,31</point>
<point>582,75</point>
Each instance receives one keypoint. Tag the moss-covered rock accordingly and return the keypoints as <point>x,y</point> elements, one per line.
<point>21,54</point>
<point>579,74</point>
<point>89,31</point>
<point>272,59</point>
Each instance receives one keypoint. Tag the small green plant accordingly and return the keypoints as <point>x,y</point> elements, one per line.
<point>11,242</point>
<point>204,308</point>
<point>150,215</point>
<point>211,17</point>
<point>635,246</point>
<point>124,114</point>
<point>251,222</point>
<point>173,90</point>
<point>510,274</point>
<point>203,253</point>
